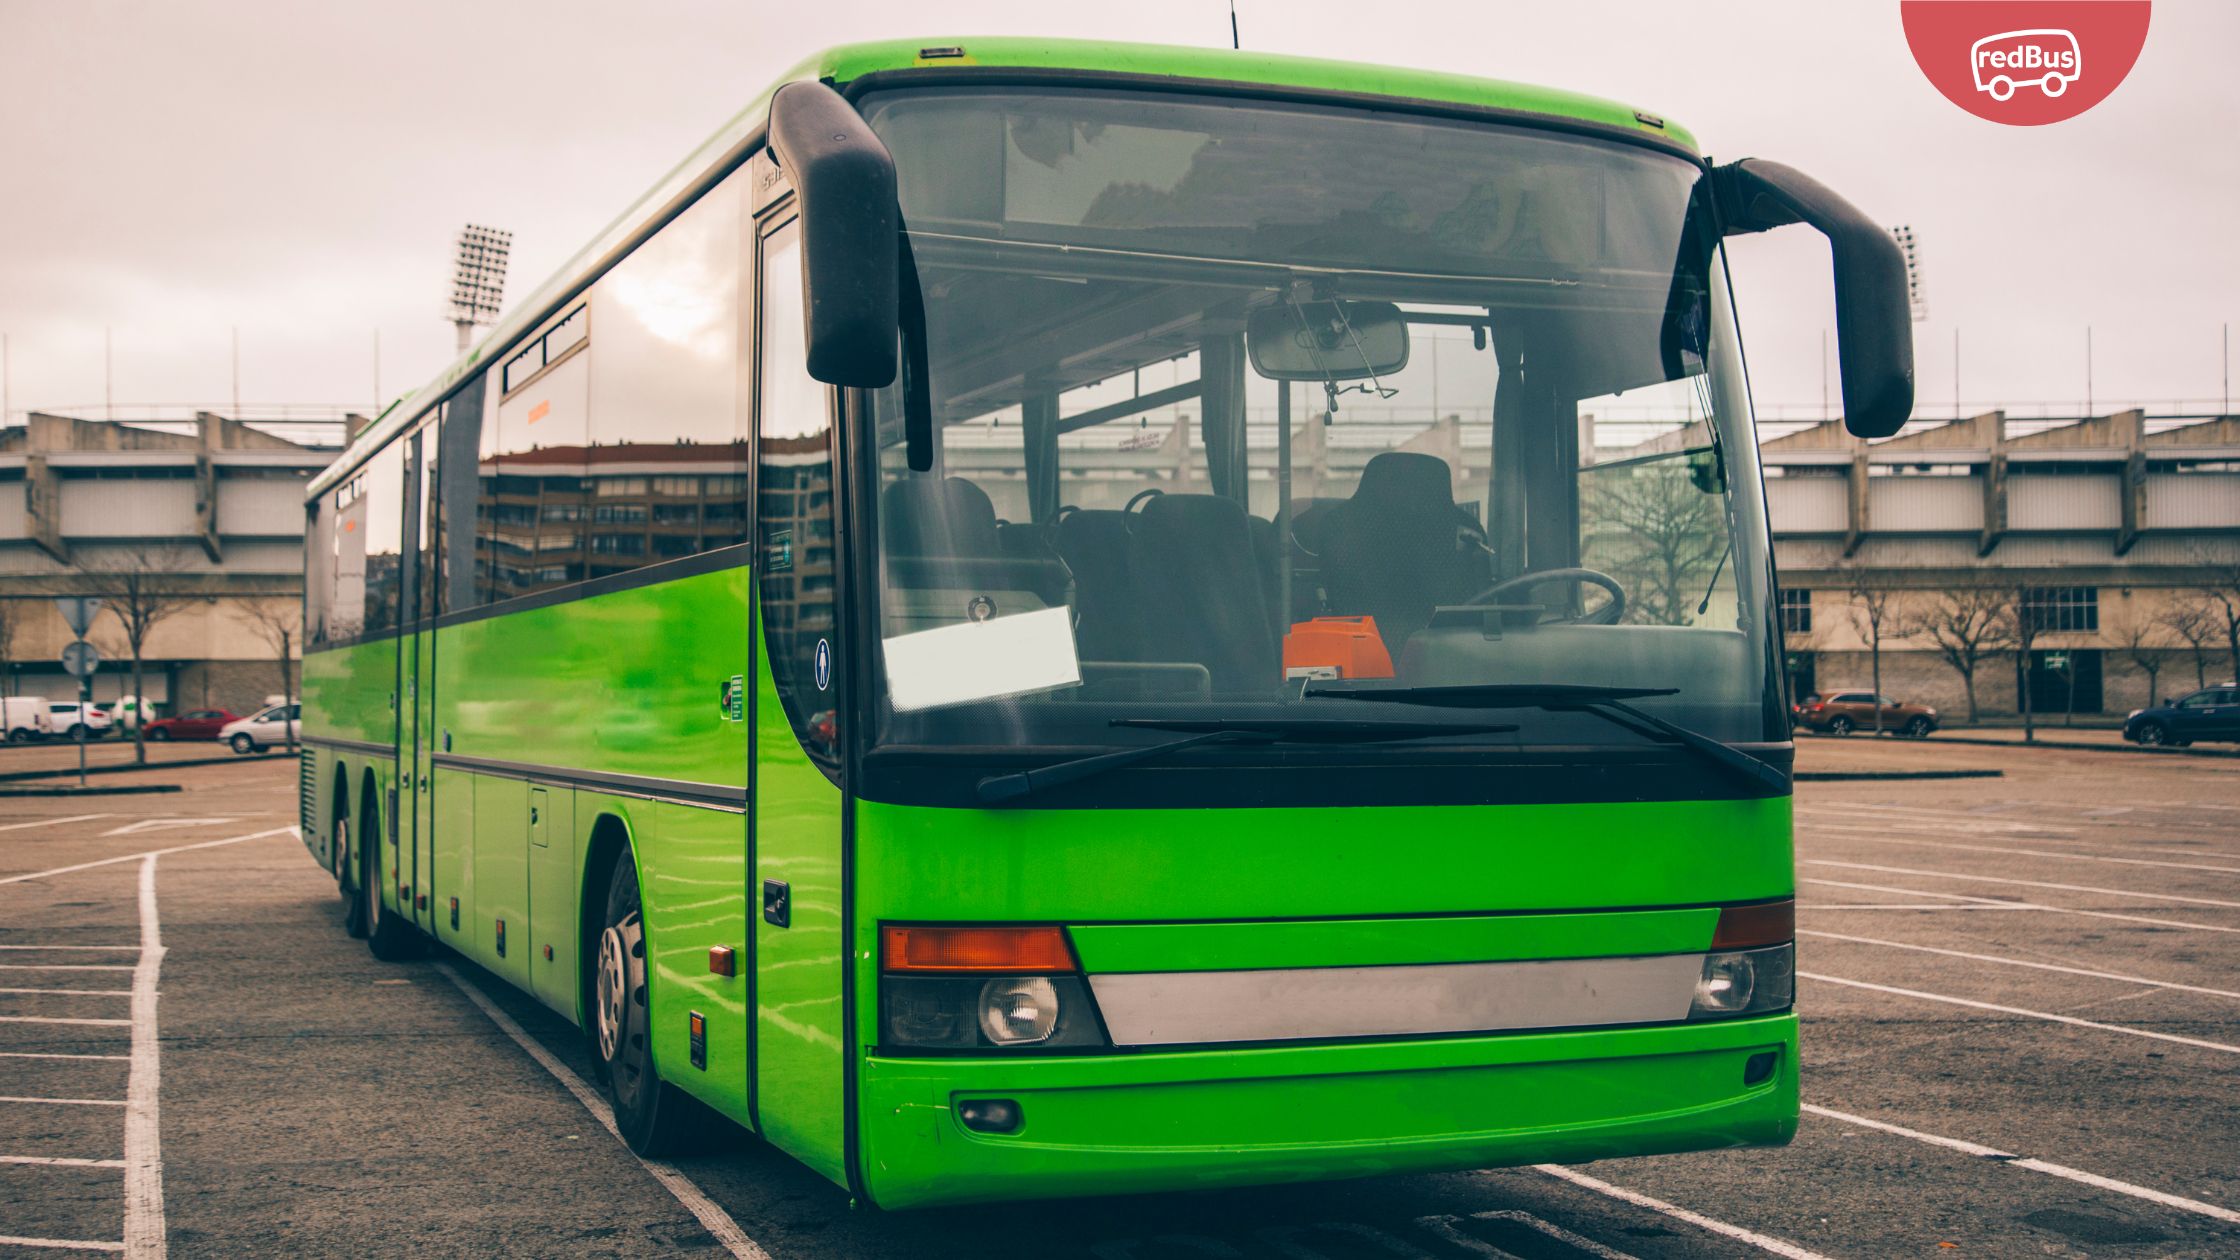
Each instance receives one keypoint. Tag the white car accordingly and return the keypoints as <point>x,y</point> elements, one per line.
<point>64,717</point>
<point>280,724</point>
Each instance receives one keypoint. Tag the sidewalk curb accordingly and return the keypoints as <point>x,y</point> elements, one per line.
<point>1851,776</point>
<point>19,776</point>
<point>2080,746</point>
<point>106,789</point>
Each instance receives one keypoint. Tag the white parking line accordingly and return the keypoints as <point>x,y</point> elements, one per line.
<point>2183,1204</point>
<point>49,1019</point>
<point>2017,1010</point>
<point>711,1216</point>
<point>134,857</point>
<point>30,1054</point>
<point>61,1162</point>
<point>1871,905</point>
<point>1443,1228</point>
<point>76,992</point>
<point>144,1233</point>
<point>58,1244</point>
<point>54,822</point>
<point>64,1102</point>
<point>1878,838</point>
<point>64,967</point>
<point>2130,894</point>
<point>1989,902</point>
<point>1763,1242</point>
<point>111,948</point>
<point>2020,962</point>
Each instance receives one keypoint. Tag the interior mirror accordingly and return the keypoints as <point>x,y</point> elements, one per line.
<point>1874,321</point>
<point>850,223</point>
<point>1327,341</point>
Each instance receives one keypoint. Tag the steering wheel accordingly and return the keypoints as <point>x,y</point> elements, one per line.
<point>1142,496</point>
<point>1607,615</point>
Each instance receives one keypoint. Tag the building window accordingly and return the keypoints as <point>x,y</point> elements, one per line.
<point>2053,609</point>
<point>1796,612</point>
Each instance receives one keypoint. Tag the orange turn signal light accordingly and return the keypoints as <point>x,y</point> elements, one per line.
<point>1747,927</point>
<point>1010,950</point>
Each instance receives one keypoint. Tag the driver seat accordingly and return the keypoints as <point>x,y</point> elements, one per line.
<point>1396,550</point>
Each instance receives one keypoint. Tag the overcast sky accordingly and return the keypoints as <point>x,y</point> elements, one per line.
<point>298,170</point>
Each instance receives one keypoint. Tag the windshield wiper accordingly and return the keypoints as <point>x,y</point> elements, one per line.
<point>1607,703</point>
<point>1005,787</point>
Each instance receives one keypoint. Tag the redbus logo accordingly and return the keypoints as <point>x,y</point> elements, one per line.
<point>2025,63</point>
<point>2050,58</point>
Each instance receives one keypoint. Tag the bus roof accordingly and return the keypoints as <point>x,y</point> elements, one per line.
<point>848,63</point>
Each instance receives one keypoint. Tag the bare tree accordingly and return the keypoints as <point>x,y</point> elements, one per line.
<point>2027,621</point>
<point>140,587</point>
<point>1660,532</point>
<point>2223,593</point>
<point>11,622</point>
<point>1968,625</point>
<point>2144,647</point>
<point>279,622</point>
<point>1876,615</point>
<point>2193,625</point>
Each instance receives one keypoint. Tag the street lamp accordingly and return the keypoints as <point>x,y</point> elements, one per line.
<point>478,278</point>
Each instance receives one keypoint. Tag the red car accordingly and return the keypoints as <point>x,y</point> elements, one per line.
<point>200,724</point>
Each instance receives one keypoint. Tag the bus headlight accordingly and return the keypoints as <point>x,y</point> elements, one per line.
<point>1746,982</point>
<point>977,1012</point>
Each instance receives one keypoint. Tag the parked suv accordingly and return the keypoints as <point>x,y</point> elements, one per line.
<point>64,717</point>
<point>2210,713</point>
<point>1842,712</point>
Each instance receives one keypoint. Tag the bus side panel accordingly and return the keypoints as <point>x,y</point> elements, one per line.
<point>800,1046</point>
<point>548,934</point>
<point>692,874</point>
<point>500,917</point>
<point>350,693</point>
<point>453,817</point>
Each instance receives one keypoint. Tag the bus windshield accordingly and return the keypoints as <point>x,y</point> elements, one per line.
<point>1238,404</point>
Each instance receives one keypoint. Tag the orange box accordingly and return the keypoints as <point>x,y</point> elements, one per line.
<point>1336,647</point>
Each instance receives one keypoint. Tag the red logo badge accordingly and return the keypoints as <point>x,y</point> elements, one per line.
<point>2025,62</point>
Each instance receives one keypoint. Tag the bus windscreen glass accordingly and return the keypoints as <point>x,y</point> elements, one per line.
<point>1543,472</point>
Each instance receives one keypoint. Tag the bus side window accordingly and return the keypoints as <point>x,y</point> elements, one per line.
<point>794,464</point>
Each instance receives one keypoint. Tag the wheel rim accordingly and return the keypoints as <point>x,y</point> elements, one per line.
<point>2150,734</point>
<point>1841,726</point>
<point>614,989</point>
<point>241,743</point>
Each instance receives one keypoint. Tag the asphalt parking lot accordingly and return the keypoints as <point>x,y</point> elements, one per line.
<point>2020,1039</point>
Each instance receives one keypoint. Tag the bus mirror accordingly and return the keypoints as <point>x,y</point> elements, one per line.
<point>1874,317</point>
<point>1327,341</point>
<point>849,224</point>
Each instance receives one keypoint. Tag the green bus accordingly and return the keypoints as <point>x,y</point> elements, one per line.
<point>1052,618</point>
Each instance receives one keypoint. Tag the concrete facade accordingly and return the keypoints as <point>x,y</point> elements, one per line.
<point>211,514</point>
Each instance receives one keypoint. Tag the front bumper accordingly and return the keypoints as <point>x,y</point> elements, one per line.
<point>1193,1119</point>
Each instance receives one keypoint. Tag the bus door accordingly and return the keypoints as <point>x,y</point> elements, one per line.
<point>799,954</point>
<point>416,645</point>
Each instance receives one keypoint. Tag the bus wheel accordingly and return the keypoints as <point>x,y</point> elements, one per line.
<point>654,1116</point>
<point>354,902</point>
<point>390,938</point>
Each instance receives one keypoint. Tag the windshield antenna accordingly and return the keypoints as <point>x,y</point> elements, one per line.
<point>1234,42</point>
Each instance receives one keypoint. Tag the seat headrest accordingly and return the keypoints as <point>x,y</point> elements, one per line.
<point>1192,512</point>
<point>923,516</point>
<point>1393,476</point>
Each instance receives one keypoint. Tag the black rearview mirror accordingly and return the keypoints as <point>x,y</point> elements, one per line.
<point>1874,321</point>
<point>1327,341</point>
<point>849,227</point>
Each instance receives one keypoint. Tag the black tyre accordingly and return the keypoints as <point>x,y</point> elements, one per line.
<point>76,732</point>
<point>390,938</point>
<point>655,1117</point>
<point>1839,725</point>
<point>244,745</point>
<point>345,878</point>
<point>160,735</point>
<point>2153,735</point>
<point>1918,728</point>
<point>17,735</point>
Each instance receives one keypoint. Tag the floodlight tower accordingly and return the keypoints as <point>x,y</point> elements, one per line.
<point>478,278</point>
<point>1916,296</point>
